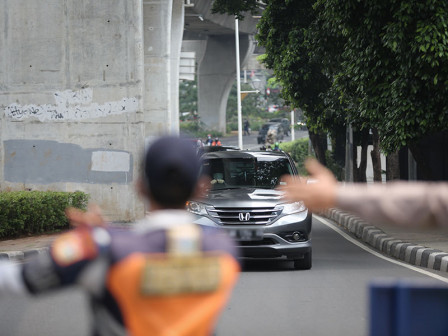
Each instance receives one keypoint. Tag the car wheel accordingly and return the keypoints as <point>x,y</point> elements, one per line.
<point>305,263</point>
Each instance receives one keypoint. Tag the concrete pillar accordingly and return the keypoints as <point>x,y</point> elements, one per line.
<point>216,75</point>
<point>71,79</point>
<point>177,29</point>
<point>157,88</point>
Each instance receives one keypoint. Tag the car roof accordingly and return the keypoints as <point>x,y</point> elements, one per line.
<point>269,124</point>
<point>207,149</point>
<point>243,154</point>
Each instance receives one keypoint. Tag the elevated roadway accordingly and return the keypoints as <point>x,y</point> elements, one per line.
<point>212,38</point>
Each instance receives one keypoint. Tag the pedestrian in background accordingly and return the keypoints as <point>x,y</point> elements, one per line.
<point>271,138</point>
<point>216,142</point>
<point>246,127</point>
<point>402,203</point>
<point>276,147</point>
<point>209,140</point>
<point>167,276</point>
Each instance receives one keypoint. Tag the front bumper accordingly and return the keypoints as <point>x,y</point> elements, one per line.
<point>273,243</point>
<point>276,250</point>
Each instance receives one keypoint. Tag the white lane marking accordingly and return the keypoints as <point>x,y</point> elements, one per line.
<point>379,255</point>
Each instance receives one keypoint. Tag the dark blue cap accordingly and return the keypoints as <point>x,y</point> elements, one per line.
<point>171,168</point>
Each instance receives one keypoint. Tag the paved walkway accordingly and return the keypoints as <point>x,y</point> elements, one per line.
<point>21,248</point>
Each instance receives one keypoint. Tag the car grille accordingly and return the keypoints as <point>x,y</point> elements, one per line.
<point>244,216</point>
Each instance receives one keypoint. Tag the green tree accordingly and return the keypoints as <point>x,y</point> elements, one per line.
<point>274,97</point>
<point>235,7</point>
<point>251,108</point>
<point>283,31</point>
<point>394,64</point>
<point>188,97</point>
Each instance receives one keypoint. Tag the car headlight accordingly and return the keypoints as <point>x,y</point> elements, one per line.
<point>196,208</point>
<point>290,208</point>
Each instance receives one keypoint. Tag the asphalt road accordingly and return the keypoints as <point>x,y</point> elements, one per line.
<point>270,298</point>
<point>330,299</point>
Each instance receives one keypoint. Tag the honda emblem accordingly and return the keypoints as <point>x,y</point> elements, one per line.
<point>244,216</point>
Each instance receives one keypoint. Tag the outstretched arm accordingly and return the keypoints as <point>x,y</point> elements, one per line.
<point>318,192</point>
<point>69,259</point>
<point>402,203</point>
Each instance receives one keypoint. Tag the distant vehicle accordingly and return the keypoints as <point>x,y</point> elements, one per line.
<point>243,201</point>
<point>301,125</point>
<point>273,108</point>
<point>285,123</point>
<point>277,127</point>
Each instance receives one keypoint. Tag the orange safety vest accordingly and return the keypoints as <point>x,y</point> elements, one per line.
<point>173,293</point>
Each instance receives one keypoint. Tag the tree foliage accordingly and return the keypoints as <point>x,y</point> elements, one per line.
<point>188,96</point>
<point>234,7</point>
<point>393,64</point>
<point>285,30</point>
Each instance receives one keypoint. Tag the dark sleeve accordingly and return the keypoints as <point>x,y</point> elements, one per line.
<point>66,259</point>
<point>401,203</point>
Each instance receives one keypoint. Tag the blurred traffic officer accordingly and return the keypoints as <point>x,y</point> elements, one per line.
<point>167,276</point>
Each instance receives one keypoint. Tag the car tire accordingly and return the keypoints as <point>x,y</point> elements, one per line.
<point>305,263</point>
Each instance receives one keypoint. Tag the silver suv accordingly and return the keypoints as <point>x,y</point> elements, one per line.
<point>243,199</point>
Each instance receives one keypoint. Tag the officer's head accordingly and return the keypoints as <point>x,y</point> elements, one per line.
<point>170,172</point>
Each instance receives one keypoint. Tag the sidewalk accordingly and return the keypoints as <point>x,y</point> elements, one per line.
<point>418,247</point>
<point>21,248</point>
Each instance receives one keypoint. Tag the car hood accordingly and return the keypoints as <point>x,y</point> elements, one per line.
<point>244,197</point>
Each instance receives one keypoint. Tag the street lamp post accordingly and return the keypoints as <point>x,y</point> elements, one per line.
<point>238,85</point>
<point>293,135</point>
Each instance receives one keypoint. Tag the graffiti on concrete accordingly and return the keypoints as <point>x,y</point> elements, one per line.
<point>72,105</point>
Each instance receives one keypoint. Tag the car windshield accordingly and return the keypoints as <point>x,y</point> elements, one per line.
<point>261,172</point>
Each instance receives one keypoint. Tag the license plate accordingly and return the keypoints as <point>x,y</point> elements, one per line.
<point>246,234</point>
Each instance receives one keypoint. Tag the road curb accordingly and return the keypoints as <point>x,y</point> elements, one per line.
<point>19,256</point>
<point>413,254</point>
